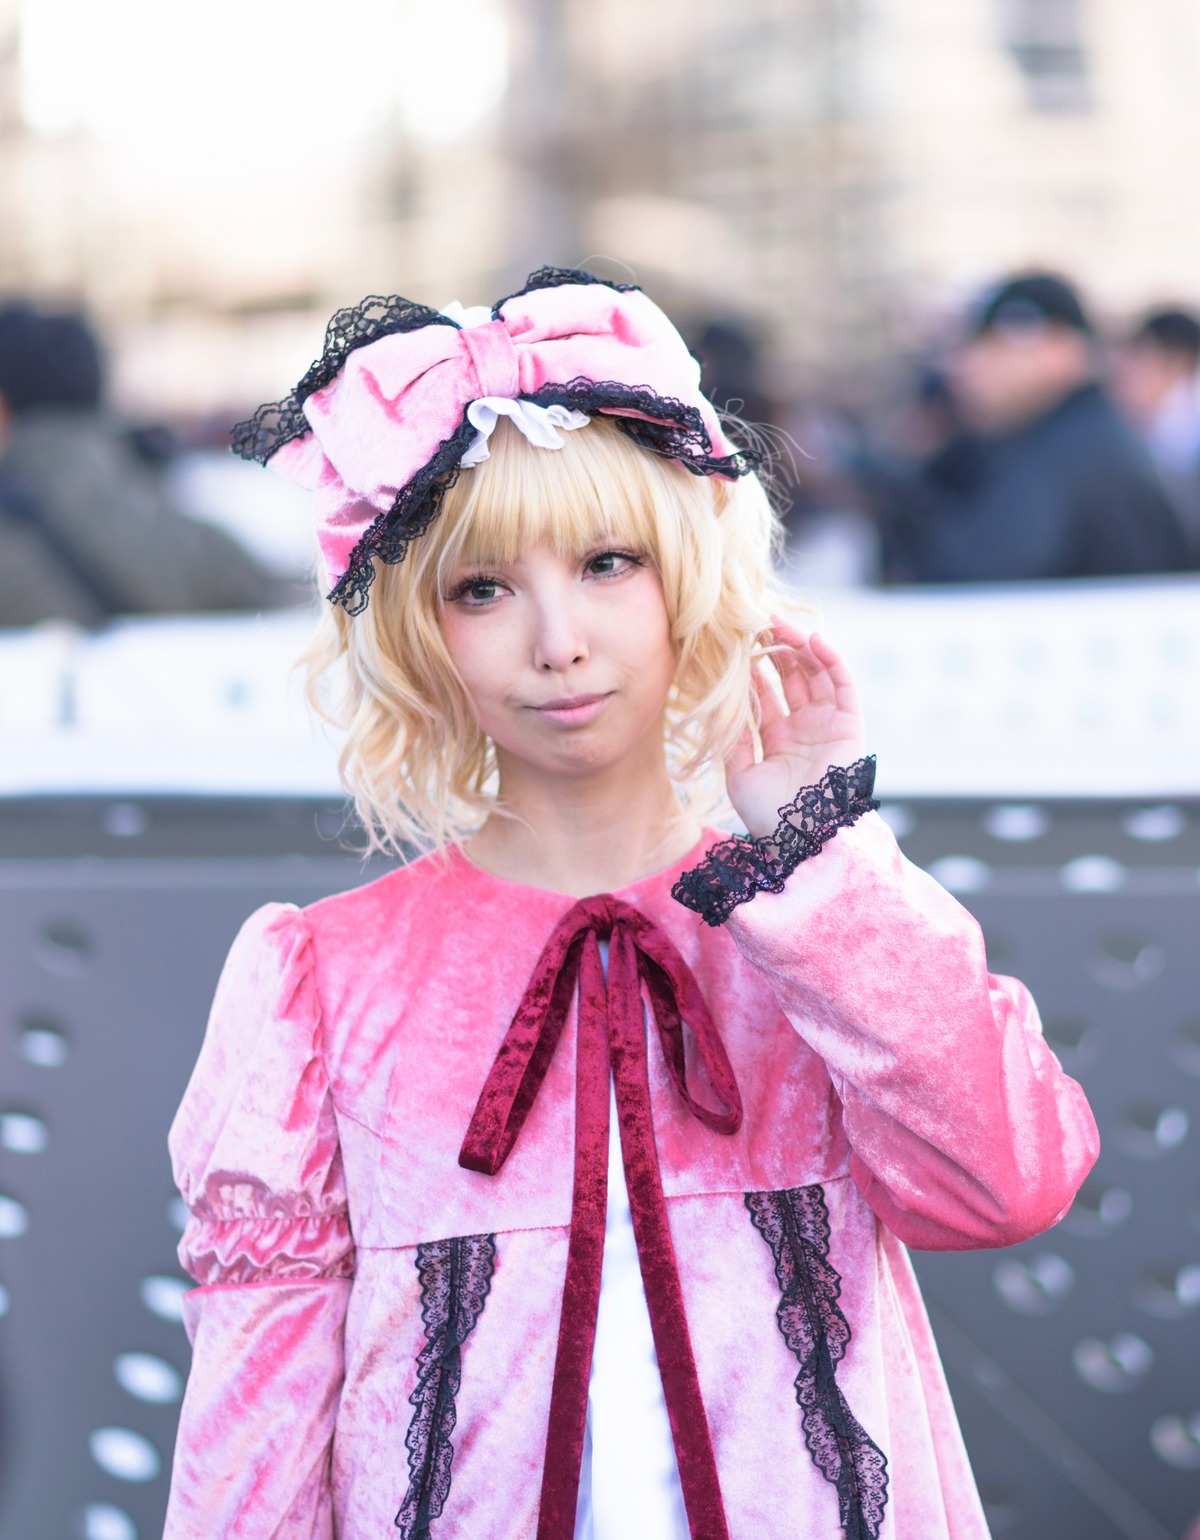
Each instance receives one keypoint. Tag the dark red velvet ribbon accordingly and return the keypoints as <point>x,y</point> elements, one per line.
<point>611,1037</point>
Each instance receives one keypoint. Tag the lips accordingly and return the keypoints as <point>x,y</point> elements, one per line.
<point>569,703</point>
<point>572,710</point>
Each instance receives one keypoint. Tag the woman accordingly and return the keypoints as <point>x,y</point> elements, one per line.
<point>558,1183</point>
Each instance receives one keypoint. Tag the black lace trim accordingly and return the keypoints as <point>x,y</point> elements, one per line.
<point>795,1224</point>
<point>734,870</point>
<point>278,422</point>
<point>677,434</point>
<point>392,532</point>
<point>555,278</point>
<point>680,435</point>
<point>455,1278</point>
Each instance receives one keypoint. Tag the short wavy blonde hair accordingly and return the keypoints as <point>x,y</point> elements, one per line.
<point>420,770</point>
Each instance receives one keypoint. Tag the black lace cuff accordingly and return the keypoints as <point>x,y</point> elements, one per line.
<point>736,869</point>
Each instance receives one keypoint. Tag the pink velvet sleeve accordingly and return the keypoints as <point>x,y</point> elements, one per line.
<point>963,1128</point>
<point>256,1157</point>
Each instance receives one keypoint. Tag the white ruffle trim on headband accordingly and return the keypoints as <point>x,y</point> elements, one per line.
<point>539,424</point>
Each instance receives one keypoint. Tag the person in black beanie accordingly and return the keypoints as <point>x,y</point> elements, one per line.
<point>87,530</point>
<point>1046,480</point>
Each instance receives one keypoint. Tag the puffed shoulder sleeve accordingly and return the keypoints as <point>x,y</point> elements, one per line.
<point>963,1128</point>
<point>255,1152</point>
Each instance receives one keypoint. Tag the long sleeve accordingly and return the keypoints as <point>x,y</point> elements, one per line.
<point>256,1157</point>
<point>963,1128</point>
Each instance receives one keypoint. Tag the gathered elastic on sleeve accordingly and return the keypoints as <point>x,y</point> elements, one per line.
<point>254,1145</point>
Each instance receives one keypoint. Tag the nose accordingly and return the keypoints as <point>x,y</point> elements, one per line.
<point>560,638</point>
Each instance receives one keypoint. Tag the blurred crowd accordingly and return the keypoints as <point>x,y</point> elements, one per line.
<point>1027,447</point>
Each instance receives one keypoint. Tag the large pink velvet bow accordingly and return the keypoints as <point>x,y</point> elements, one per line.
<point>396,401</point>
<point>611,1039</point>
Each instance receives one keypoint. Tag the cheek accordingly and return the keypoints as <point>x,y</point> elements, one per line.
<point>642,632</point>
<point>479,655</point>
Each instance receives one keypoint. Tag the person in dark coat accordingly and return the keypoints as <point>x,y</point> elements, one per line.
<point>87,530</point>
<point>1045,479</point>
<point>1156,382</point>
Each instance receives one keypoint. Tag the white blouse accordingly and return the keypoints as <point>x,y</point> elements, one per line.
<point>629,1483</point>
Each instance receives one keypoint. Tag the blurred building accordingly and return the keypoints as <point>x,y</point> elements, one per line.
<point>213,181</point>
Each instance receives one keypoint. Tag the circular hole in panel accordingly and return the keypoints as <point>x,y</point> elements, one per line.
<point>148,1377</point>
<point>23,1133</point>
<point>1176,1440</point>
<point>14,1218</point>
<point>1000,1505</point>
<point>1185,1047</point>
<point>124,820</point>
<point>163,1295</point>
<point>103,1521</point>
<point>1097,1210</point>
<point>127,1455</point>
<point>900,820</point>
<point>177,1212</point>
<point>1016,822</point>
<point>1033,1285</point>
<point>5,1301</point>
<point>1154,824</point>
<point>1113,1366</point>
<point>960,874</point>
<point>1125,960</point>
<point>43,1041</point>
<point>1148,1128</point>
<point>1168,1290</point>
<point>64,948</point>
<point>1092,874</point>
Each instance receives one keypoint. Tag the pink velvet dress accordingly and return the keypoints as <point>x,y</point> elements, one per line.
<point>894,1094</point>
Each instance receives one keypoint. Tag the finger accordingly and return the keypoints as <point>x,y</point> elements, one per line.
<point>804,675</point>
<point>845,691</point>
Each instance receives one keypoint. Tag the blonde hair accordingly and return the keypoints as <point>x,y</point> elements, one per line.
<point>420,770</point>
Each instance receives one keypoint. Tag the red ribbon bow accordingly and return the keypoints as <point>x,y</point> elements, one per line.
<point>611,1038</point>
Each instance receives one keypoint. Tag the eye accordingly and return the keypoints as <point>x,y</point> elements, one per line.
<point>474,592</point>
<point>610,563</point>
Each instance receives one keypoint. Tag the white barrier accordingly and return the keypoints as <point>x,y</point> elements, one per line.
<point>1080,689</point>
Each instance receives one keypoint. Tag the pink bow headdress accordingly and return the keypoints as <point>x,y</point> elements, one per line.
<point>403,396</point>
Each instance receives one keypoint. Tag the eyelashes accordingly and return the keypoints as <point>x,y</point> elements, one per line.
<point>466,592</point>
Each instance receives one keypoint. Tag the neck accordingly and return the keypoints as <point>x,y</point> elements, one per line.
<point>585,834</point>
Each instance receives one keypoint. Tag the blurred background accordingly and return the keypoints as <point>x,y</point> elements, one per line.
<point>947,251</point>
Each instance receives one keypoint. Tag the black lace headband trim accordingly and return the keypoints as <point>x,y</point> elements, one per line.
<point>555,277</point>
<point>736,869</point>
<point>667,427</point>
<point>279,422</point>
<point>662,425</point>
<point>379,315</point>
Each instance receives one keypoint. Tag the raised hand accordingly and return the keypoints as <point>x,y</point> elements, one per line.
<point>821,726</point>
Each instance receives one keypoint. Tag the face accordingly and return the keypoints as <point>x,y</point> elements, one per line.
<point>1144,376</point>
<point>567,659</point>
<point>1008,375</point>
